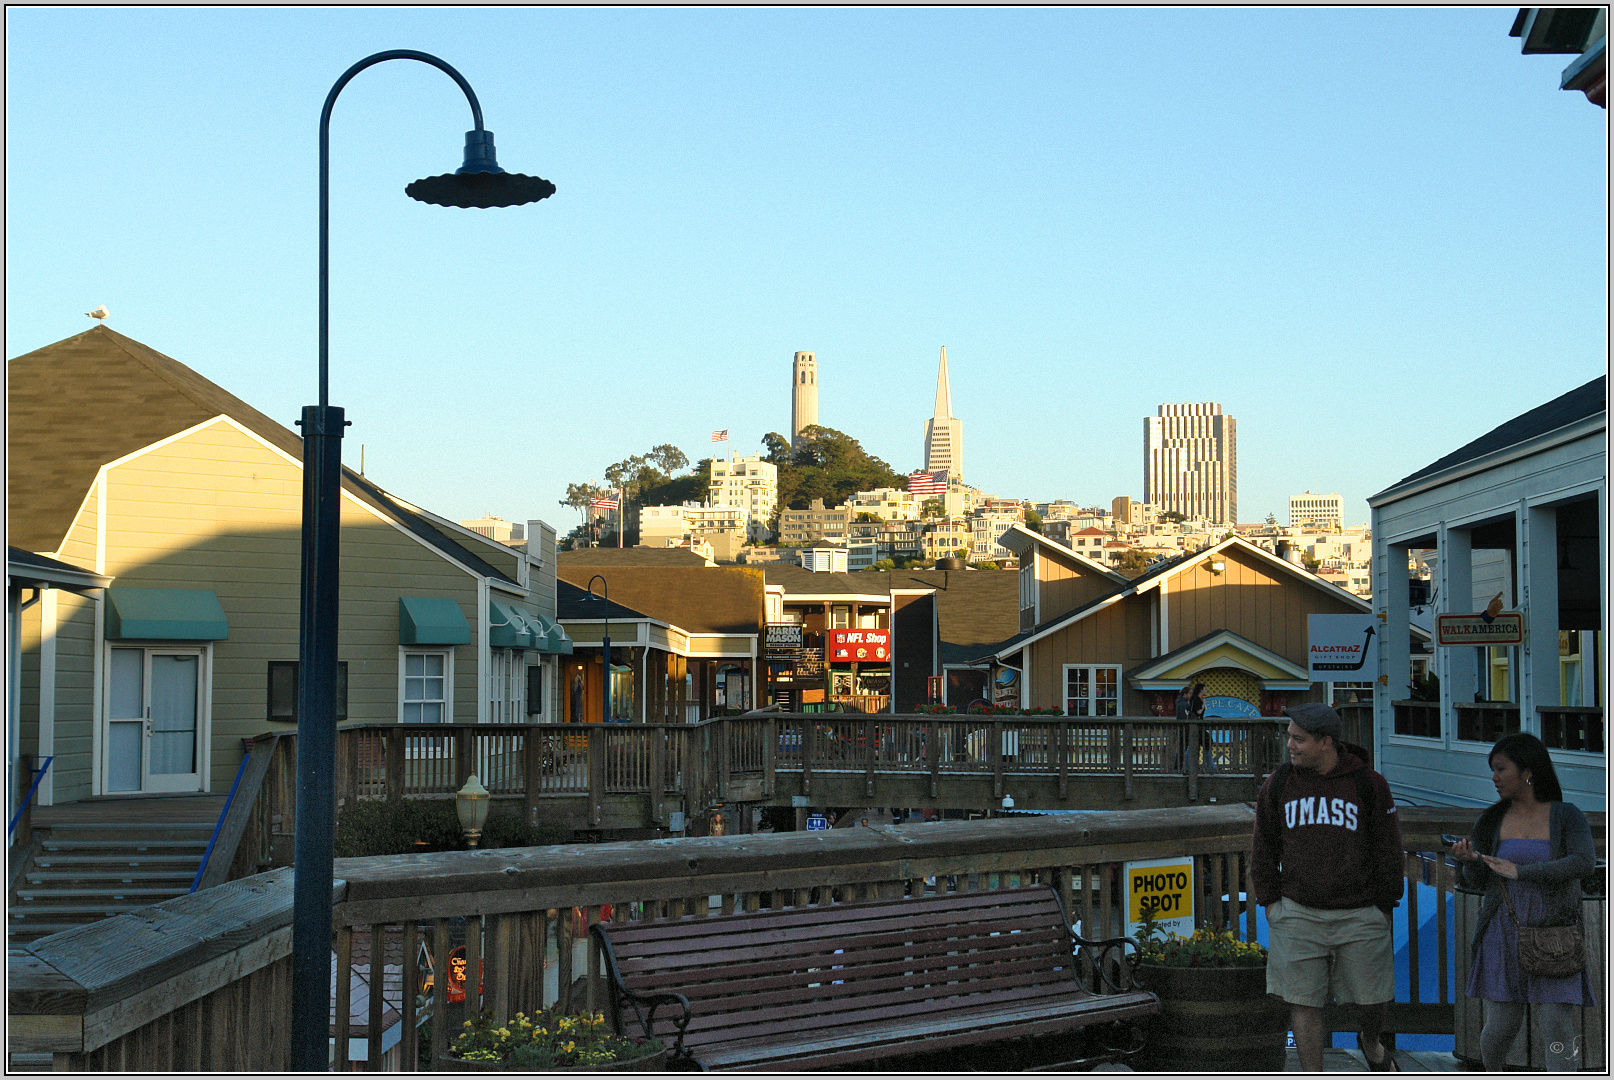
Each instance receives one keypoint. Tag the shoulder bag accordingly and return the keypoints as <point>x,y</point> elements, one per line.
<point>1551,952</point>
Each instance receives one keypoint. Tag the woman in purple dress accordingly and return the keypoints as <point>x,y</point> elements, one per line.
<point>1537,847</point>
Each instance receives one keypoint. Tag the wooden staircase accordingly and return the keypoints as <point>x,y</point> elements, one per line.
<point>84,872</point>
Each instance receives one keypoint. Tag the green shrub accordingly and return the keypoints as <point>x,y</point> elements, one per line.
<point>406,826</point>
<point>393,827</point>
<point>510,829</point>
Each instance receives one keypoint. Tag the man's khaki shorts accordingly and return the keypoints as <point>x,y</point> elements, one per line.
<point>1314,954</point>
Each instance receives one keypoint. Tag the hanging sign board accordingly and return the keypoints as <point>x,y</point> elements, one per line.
<point>869,646</point>
<point>782,639</point>
<point>1504,628</point>
<point>1339,648</point>
<point>1166,885</point>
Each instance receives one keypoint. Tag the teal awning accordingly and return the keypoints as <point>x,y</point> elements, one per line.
<point>165,615</point>
<point>431,620</point>
<point>515,627</point>
<point>512,627</point>
<point>559,642</point>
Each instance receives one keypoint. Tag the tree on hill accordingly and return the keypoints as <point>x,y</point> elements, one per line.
<point>1135,562</point>
<point>1033,519</point>
<point>932,508</point>
<point>828,465</point>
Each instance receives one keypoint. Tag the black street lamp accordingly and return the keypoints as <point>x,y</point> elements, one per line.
<point>605,644</point>
<point>479,182</point>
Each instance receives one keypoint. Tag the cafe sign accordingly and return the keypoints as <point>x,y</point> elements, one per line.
<point>1503,628</point>
<point>860,646</point>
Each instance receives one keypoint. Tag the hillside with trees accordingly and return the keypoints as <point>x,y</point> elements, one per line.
<point>829,465</point>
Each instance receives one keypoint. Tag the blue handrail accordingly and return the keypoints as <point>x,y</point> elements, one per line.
<point>39,774</point>
<point>196,882</point>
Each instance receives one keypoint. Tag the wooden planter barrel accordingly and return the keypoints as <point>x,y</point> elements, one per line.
<point>1213,1020</point>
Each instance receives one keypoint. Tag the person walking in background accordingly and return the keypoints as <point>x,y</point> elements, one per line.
<point>1326,865</point>
<point>1190,705</point>
<point>1528,852</point>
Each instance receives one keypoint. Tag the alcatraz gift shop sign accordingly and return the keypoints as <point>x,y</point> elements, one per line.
<point>860,646</point>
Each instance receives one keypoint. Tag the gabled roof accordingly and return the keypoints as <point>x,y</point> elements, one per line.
<point>573,603</point>
<point>798,582</point>
<point>975,609</point>
<point>1167,568</point>
<point>75,405</point>
<point>696,599</point>
<point>1018,539</point>
<point>27,570</point>
<point>1229,650</point>
<point>1581,403</point>
<point>633,556</point>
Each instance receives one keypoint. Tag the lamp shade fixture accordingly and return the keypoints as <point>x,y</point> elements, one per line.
<point>480,182</point>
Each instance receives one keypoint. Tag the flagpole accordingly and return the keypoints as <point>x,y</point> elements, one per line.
<point>621,515</point>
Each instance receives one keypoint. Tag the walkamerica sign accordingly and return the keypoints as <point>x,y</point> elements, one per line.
<point>1503,628</point>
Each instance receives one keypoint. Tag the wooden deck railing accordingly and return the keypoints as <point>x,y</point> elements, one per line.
<point>704,762</point>
<point>137,992</point>
<point>202,982</point>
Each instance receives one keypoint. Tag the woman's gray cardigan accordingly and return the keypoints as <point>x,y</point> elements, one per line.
<point>1573,856</point>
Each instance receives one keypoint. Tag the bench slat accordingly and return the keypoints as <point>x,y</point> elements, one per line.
<point>831,995</point>
<point>742,960</point>
<point>910,1035</point>
<point>736,1025</point>
<point>833,984</point>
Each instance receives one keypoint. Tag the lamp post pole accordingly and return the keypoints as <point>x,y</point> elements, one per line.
<point>605,646</point>
<point>479,182</point>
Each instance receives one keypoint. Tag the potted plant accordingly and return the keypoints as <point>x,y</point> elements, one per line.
<point>549,1042</point>
<point>1215,1014</point>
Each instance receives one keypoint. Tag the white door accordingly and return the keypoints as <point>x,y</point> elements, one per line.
<point>154,721</point>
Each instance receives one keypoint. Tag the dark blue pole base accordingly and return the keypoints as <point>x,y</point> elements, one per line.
<point>316,739</point>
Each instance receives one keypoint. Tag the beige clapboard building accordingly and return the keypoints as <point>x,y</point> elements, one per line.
<point>130,464</point>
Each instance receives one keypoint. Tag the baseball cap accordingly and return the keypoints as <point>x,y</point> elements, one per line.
<point>1315,717</point>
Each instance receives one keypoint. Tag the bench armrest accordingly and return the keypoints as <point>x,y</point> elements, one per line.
<point>1109,959</point>
<point>644,1006</point>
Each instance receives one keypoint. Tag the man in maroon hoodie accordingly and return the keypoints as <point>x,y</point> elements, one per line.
<point>1326,866</point>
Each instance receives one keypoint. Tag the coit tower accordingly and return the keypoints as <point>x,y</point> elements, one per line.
<point>804,396</point>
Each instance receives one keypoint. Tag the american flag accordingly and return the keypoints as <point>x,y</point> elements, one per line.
<point>721,436</point>
<point>927,484</point>
<point>599,503</point>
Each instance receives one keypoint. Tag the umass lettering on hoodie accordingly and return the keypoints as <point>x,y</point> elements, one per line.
<point>1316,845</point>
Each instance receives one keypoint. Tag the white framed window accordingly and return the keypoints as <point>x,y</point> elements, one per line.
<point>425,686</point>
<point>1092,690</point>
<point>1028,583</point>
<point>507,686</point>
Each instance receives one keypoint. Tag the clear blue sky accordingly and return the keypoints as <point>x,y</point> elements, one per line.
<point>1372,235</point>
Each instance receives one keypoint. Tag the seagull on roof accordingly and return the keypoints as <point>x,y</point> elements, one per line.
<point>99,313</point>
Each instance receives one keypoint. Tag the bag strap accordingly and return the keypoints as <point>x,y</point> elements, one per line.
<point>1507,898</point>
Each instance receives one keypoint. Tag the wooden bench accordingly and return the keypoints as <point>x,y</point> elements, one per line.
<point>830,985</point>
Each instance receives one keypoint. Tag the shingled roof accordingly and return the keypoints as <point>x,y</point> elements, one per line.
<point>73,406</point>
<point>697,599</point>
<point>633,556</point>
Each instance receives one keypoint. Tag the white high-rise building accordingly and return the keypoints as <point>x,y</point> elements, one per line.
<point>944,434</point>
<point>1316,511</point>
<point>750,483</point>
<point>803,396</point>
<point>1190,462</point>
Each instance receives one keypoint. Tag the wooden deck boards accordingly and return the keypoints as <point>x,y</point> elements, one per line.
<point>133,810</point>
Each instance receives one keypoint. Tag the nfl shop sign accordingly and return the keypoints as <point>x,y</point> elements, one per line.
<point>860,646</point>
<point>1165,886</point>
<point>1339,648</point>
